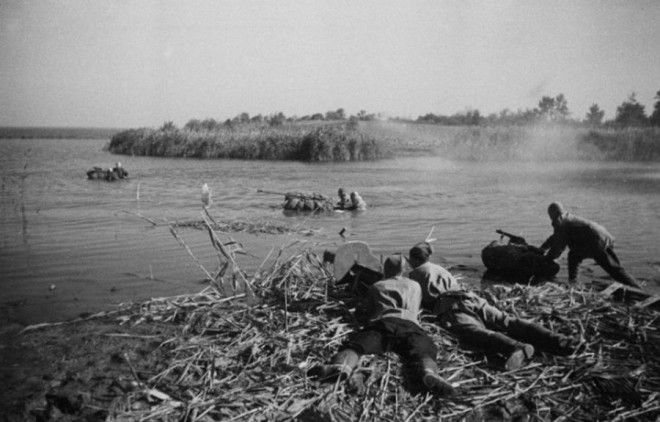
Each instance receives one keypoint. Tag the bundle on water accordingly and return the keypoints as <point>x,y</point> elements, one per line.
<point>111,174</point>
<point>316,202</point>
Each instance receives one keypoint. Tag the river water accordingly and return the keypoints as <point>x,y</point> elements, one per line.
<point>69,245</point>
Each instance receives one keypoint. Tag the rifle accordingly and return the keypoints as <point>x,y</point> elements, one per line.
<point>315,196</point>
<point>518,240</point>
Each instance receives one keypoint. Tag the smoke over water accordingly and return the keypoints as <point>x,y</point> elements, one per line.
<point>543,142</point>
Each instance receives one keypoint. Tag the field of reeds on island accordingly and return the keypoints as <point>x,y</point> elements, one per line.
<point>240,349</point>
<point>372,140</point>
<point>303,142</point>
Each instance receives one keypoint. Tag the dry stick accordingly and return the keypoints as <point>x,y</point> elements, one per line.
<point>365,409</point>
<point>633,413</point>
<point>254,277</point>
<point>386,380</point>
<point>227,254</point>
<point>152,221</point>
<point>426,400</point>
<point>133,372</point>
<point>182,243</point>
<point>73,321</point>
<point>286,294</point>
<point>428,236</point>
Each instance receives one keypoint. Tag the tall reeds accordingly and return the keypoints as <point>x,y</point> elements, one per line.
<point>375,140</point>
<point>251,142</point>
<point>626,144</point>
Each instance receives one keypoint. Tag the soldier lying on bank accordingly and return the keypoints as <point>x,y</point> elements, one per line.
<point>390,307</point>
<point>585,239</point>
<point>477,323</point>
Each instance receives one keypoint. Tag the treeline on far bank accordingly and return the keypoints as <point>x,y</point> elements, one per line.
<point>253,141</point>
<point>546,132</point>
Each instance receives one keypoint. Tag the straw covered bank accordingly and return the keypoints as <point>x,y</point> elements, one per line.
<point>240,348</point>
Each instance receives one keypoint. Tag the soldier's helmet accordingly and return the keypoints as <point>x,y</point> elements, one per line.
<point>556,209</point>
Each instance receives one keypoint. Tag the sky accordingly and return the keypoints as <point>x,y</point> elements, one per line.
<point>126,63</point>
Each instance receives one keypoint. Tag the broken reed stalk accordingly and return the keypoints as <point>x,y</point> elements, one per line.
<point>150,220</point>
<point>192,255</point>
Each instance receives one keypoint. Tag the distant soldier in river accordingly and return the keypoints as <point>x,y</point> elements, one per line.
<point>477,323</point>
<point>116,173</point>
<point>354,202</point>
<point>357,203</point>
<point>344,202</point>
<point>120,171</point>
<point>585,239</point>
<point>109,174</point>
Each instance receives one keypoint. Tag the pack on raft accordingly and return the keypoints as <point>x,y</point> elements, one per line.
<point>296,201</point>
<point>517,259</point>
<point>110,175</point>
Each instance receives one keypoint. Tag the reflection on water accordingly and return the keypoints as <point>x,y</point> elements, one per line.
<point>57,228</point>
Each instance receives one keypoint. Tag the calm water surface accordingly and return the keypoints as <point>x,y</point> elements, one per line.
<point>67,245</point>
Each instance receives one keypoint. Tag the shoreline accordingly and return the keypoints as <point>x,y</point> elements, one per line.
<point>244,343</point>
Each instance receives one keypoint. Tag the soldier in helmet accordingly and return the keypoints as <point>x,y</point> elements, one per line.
<point>390,307</point>
<point>344,200</point>
<point>477,323</point>
<point>120,172</point>
<point>357,203</point>
<point>584,239</point>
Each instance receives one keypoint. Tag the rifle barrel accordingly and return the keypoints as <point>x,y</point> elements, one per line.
<point>512,237</point>
<point>271,192</point>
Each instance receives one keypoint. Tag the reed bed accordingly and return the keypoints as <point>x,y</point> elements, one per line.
<point>303,142</point>
<point>626,144</point>
<point>245,343</point>
<point>541,142</point>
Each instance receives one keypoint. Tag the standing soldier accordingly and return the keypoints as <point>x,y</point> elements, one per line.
<point>585,239</point>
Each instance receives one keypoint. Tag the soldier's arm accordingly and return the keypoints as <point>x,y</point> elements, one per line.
<point>557,243</point>
<point>547,244</point>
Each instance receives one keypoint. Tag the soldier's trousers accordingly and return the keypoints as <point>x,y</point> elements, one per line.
<point>608,261</point>
<point>480,325</point>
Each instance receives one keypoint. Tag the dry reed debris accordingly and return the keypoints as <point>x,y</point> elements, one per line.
<point>245,344</point>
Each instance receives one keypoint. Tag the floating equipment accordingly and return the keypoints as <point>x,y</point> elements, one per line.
<point>517,259</point>
<point>300,202</point>
<point>110,175</point>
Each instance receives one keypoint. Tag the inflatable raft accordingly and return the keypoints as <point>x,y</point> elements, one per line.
<point>520,261</point>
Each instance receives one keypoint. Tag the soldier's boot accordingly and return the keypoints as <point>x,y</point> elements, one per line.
<point>541,338</point>
<point>514,353</point>
<point>427,368</point>
<point>519,356</point>
<point>340,367</point>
